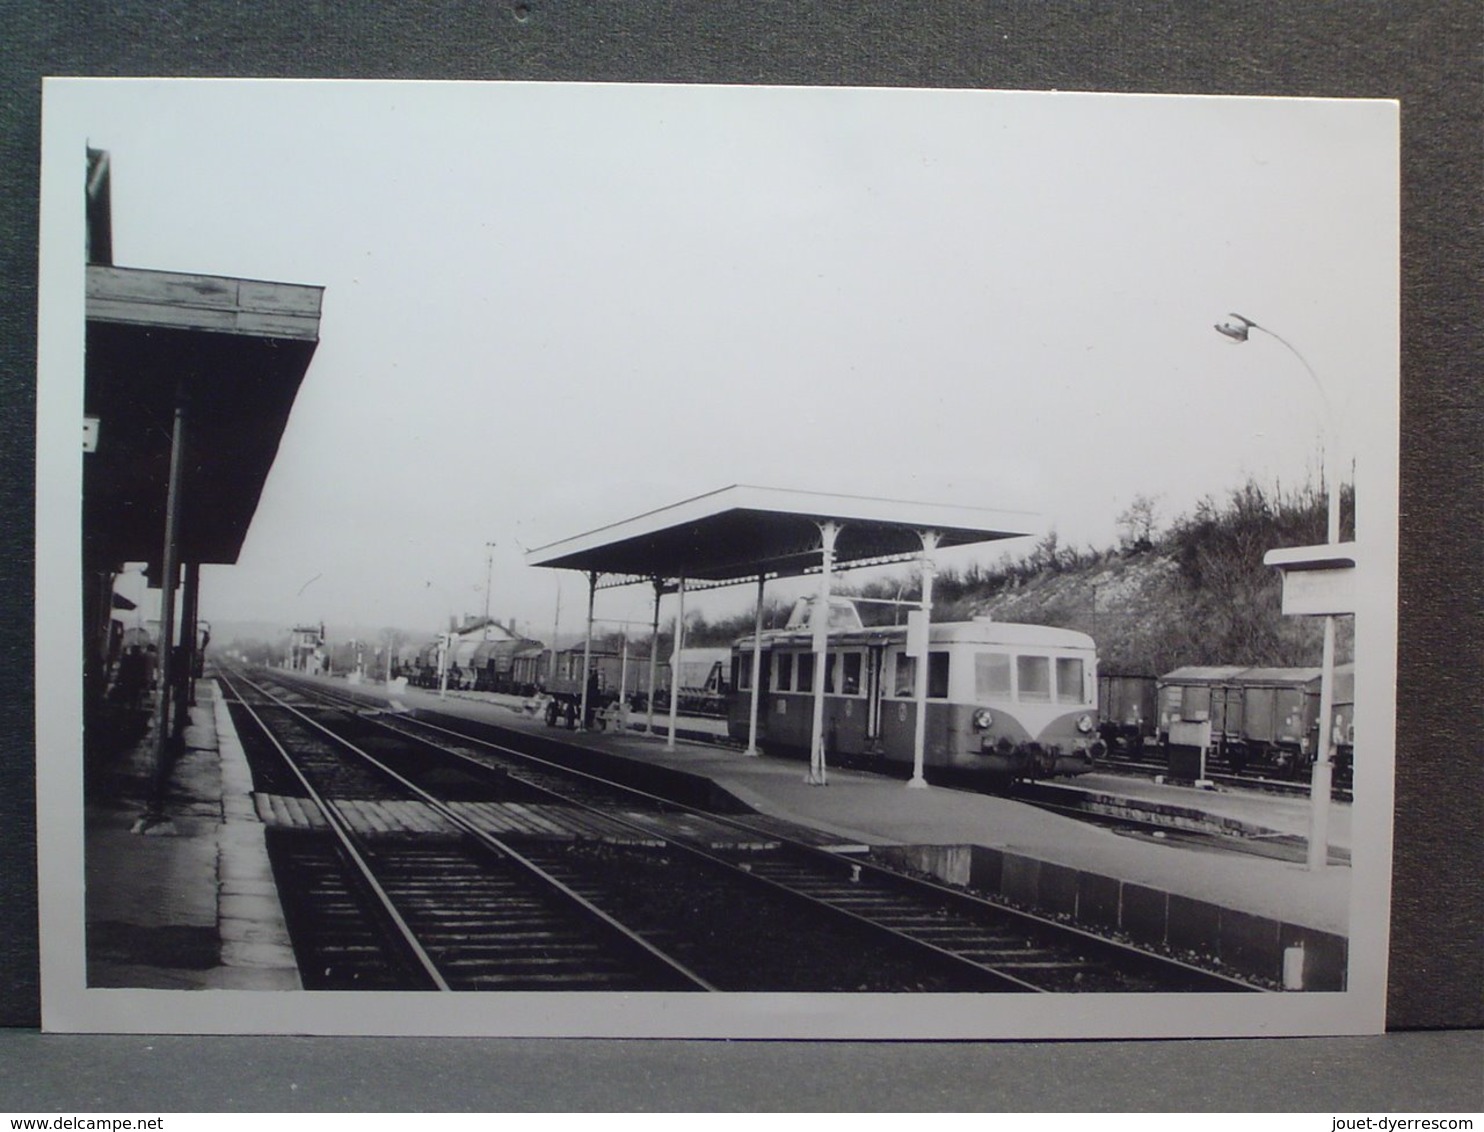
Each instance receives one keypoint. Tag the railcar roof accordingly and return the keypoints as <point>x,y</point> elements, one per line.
<point>1200,674</point>
<point>739,532</point>
<point>1203,674</point>
<point>970,632</point>
<point>1280,675</point>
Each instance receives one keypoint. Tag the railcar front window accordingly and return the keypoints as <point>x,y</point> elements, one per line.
<point>1069,683</point>
<point>991,675</point>
<point>906,680</point>
<point>805,682</point>
<point>1033,675</point>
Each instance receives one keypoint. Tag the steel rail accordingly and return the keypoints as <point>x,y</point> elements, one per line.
<point>903,938</point>
<point>347,839</point>
<point>886,877</point>
<point>497,845</point>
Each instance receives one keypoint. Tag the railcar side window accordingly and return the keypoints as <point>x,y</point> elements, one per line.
<point>906,676</point>
<point>937,676</point>
<point>1033,675</point>
<point>785,671</point>
<point>991,675</point>
<point>805,682</point>
<point>1069,686</point>
<point>829,673</point>
<point>850,682</point>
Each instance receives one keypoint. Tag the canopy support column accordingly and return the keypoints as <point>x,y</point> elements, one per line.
<point>828,531</point>
<point>757,669</point>
<point>920,690</point>
<point>587,649</point>
<point>1322,772</point>
<point>185,678</point>
<point>445,648</point>
<point>675,665</point>
<point>654,656</point>
<point>169,568</point>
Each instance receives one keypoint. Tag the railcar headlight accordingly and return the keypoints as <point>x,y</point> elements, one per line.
<point>983,719</point>
<point>1084,724</point>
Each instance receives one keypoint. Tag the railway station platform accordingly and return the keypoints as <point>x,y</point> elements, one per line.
<point>192,904</point>
<point>187,903</point>
<point>1185,895</point>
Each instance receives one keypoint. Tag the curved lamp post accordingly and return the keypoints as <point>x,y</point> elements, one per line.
<point>1323,767</point>
<point>1238,331</point>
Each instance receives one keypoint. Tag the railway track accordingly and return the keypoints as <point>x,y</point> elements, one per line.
<point>747,905</point>
<point>1286,787</point>
<point>449,909</point>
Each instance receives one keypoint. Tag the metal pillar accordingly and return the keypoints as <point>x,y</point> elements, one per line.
<point>920,684</point>
<point>820,622</point>
<point>675,665</point>
<point>489,574</point>
<point>587,648</point>
<point>170,567</point>
<point>1322,777</point>
<point>654,659</point>
<point>556,627</point>
<point>185,679</point>
<point>757,669</point>
<point>623,671</point>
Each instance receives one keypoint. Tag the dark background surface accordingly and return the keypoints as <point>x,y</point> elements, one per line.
<point>1426,55</point>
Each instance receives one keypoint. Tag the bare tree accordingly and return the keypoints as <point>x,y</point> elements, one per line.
<point>1138,523</point>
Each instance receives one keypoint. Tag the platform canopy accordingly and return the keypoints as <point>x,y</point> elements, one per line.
<point>740,533</point>
<point>232,351</point>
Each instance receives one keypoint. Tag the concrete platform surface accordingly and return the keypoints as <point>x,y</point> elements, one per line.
<point>190,902</point>
<point>881,811</point>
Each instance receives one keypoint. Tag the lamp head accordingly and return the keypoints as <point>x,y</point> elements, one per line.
<point>1235,330</point>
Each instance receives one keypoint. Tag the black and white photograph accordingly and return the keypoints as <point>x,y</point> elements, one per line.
<point>583,559</point>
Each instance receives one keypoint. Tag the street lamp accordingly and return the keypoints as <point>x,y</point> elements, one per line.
<point>1323,768</point>
<point>489,573</point>
<point>1238,332</point>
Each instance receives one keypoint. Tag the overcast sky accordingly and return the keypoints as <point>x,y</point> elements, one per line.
<point>550,307</point>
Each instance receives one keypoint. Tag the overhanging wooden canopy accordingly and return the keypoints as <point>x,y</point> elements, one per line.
<point>233,353</point>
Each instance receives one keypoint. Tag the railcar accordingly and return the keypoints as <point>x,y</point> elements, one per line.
<point>1266,718</point>
<point>608,674</point>
<point>424,673</point>
<point>493,665</point>
<point>706,682</point>
<point>1128,712</point>
<point>1344,724</point>
<point>528,668</point>
<point>1005,701</point>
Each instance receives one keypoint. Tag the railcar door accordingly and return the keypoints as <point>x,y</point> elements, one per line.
<point>875,655</point>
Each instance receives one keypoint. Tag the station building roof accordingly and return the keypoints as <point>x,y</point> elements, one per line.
<point>740,532</point>
<point>235,351</point>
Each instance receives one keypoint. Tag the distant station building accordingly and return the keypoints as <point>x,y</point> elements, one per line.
<point>188,384</point>
<point>307,649</point>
